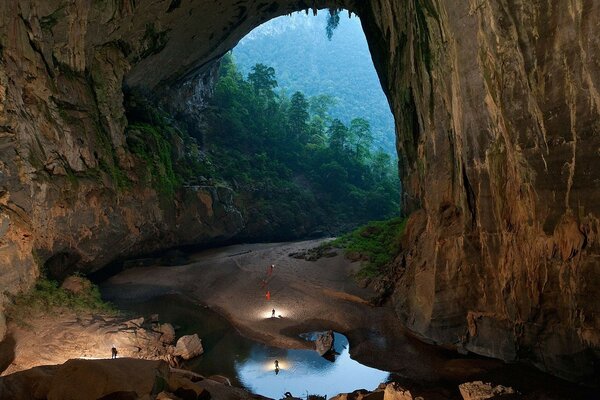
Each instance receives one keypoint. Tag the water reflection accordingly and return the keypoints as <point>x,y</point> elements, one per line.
<point>302,371</point>
<point>252,365</point>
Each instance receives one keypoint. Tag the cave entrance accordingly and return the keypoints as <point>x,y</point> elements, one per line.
<point>299,124</point>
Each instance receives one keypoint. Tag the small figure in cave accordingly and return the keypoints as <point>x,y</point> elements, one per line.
<point>276,367</point>
<point>114,352</point>
<point>270,270</point>
<point>273,316</point>
<point>268,295</point>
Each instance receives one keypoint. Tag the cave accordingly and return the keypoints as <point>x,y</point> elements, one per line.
<point>496,107</point>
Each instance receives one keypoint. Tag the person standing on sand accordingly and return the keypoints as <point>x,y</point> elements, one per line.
<point>114,352</point>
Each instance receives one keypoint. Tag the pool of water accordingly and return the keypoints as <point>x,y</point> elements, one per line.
<point>250,364</point>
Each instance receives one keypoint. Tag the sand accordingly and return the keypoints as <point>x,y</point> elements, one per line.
<point>306,296</point>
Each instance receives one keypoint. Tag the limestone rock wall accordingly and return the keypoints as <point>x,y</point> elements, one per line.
<point>72,196</point>
<point>497,112</point>
<point>496,105</point>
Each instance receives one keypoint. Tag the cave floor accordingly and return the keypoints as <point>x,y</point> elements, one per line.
<point>306,295</point>
<point>318,295</point>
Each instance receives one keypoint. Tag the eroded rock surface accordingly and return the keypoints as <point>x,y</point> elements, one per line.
<point>125,378</point>
<point>496,106</point>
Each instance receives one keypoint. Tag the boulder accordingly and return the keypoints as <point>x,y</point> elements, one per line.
<point>223,380</point>
<point>188,346</point>
<point>356,395</point>
<point>76,285</point>
<point>393,391</point>
<point>479,390</point>
<point>166,396</point>
<point>167,332</point>
<point>30,384</point>
<point>94,379</point>
<point>324,343</point>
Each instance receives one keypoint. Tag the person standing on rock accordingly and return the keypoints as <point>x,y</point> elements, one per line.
<point>114,352</point>
<point>273,316</point>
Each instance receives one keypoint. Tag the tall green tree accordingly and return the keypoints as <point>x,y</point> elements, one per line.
<point>298,118</point>
<point>361,137</point>
<point>262,79</point>
<point>338,136</point>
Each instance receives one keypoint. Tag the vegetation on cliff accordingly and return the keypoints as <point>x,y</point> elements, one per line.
<point>376,243</point>
<point>48,297</point>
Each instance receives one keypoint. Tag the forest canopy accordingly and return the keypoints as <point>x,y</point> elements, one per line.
<point>292,154</point>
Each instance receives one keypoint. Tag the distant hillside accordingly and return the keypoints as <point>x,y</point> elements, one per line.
<point>305,60</point>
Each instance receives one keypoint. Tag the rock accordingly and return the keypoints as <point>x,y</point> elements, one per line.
<point>393,391</point>
<point>356,395</point>
<point>76,285</point>
<point>479,390</point>
<point>30,384</point>
<point>93,379</point>
<point>188,346</point>
<point>134,323</point>
<point>223,380</point>
<point>166,396</point>
<point>185,389</point>
<point>2,325</point>
<point>324,343</point>
<point>167,332</point>
<point>121,395</point>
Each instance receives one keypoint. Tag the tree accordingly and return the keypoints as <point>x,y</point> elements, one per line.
<point>320,105</point>
<point>381,166</point>
<point>338,136</point>
<point>298,117</point>
<point>262,79</point>
<point>361,137</point>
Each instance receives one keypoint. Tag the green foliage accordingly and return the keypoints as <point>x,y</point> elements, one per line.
<point>152,146</point>
<point>47,297</point>
<point>306,61</point>
<point>378,243</point>
<point>169,154</point>
<point>285,149</point>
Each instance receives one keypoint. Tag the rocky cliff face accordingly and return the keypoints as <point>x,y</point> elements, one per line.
<point>72,195</point>
<point>496,105</point>
<point>497,109</point>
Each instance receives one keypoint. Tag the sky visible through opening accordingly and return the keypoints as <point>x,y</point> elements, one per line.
<point>305,60</point>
